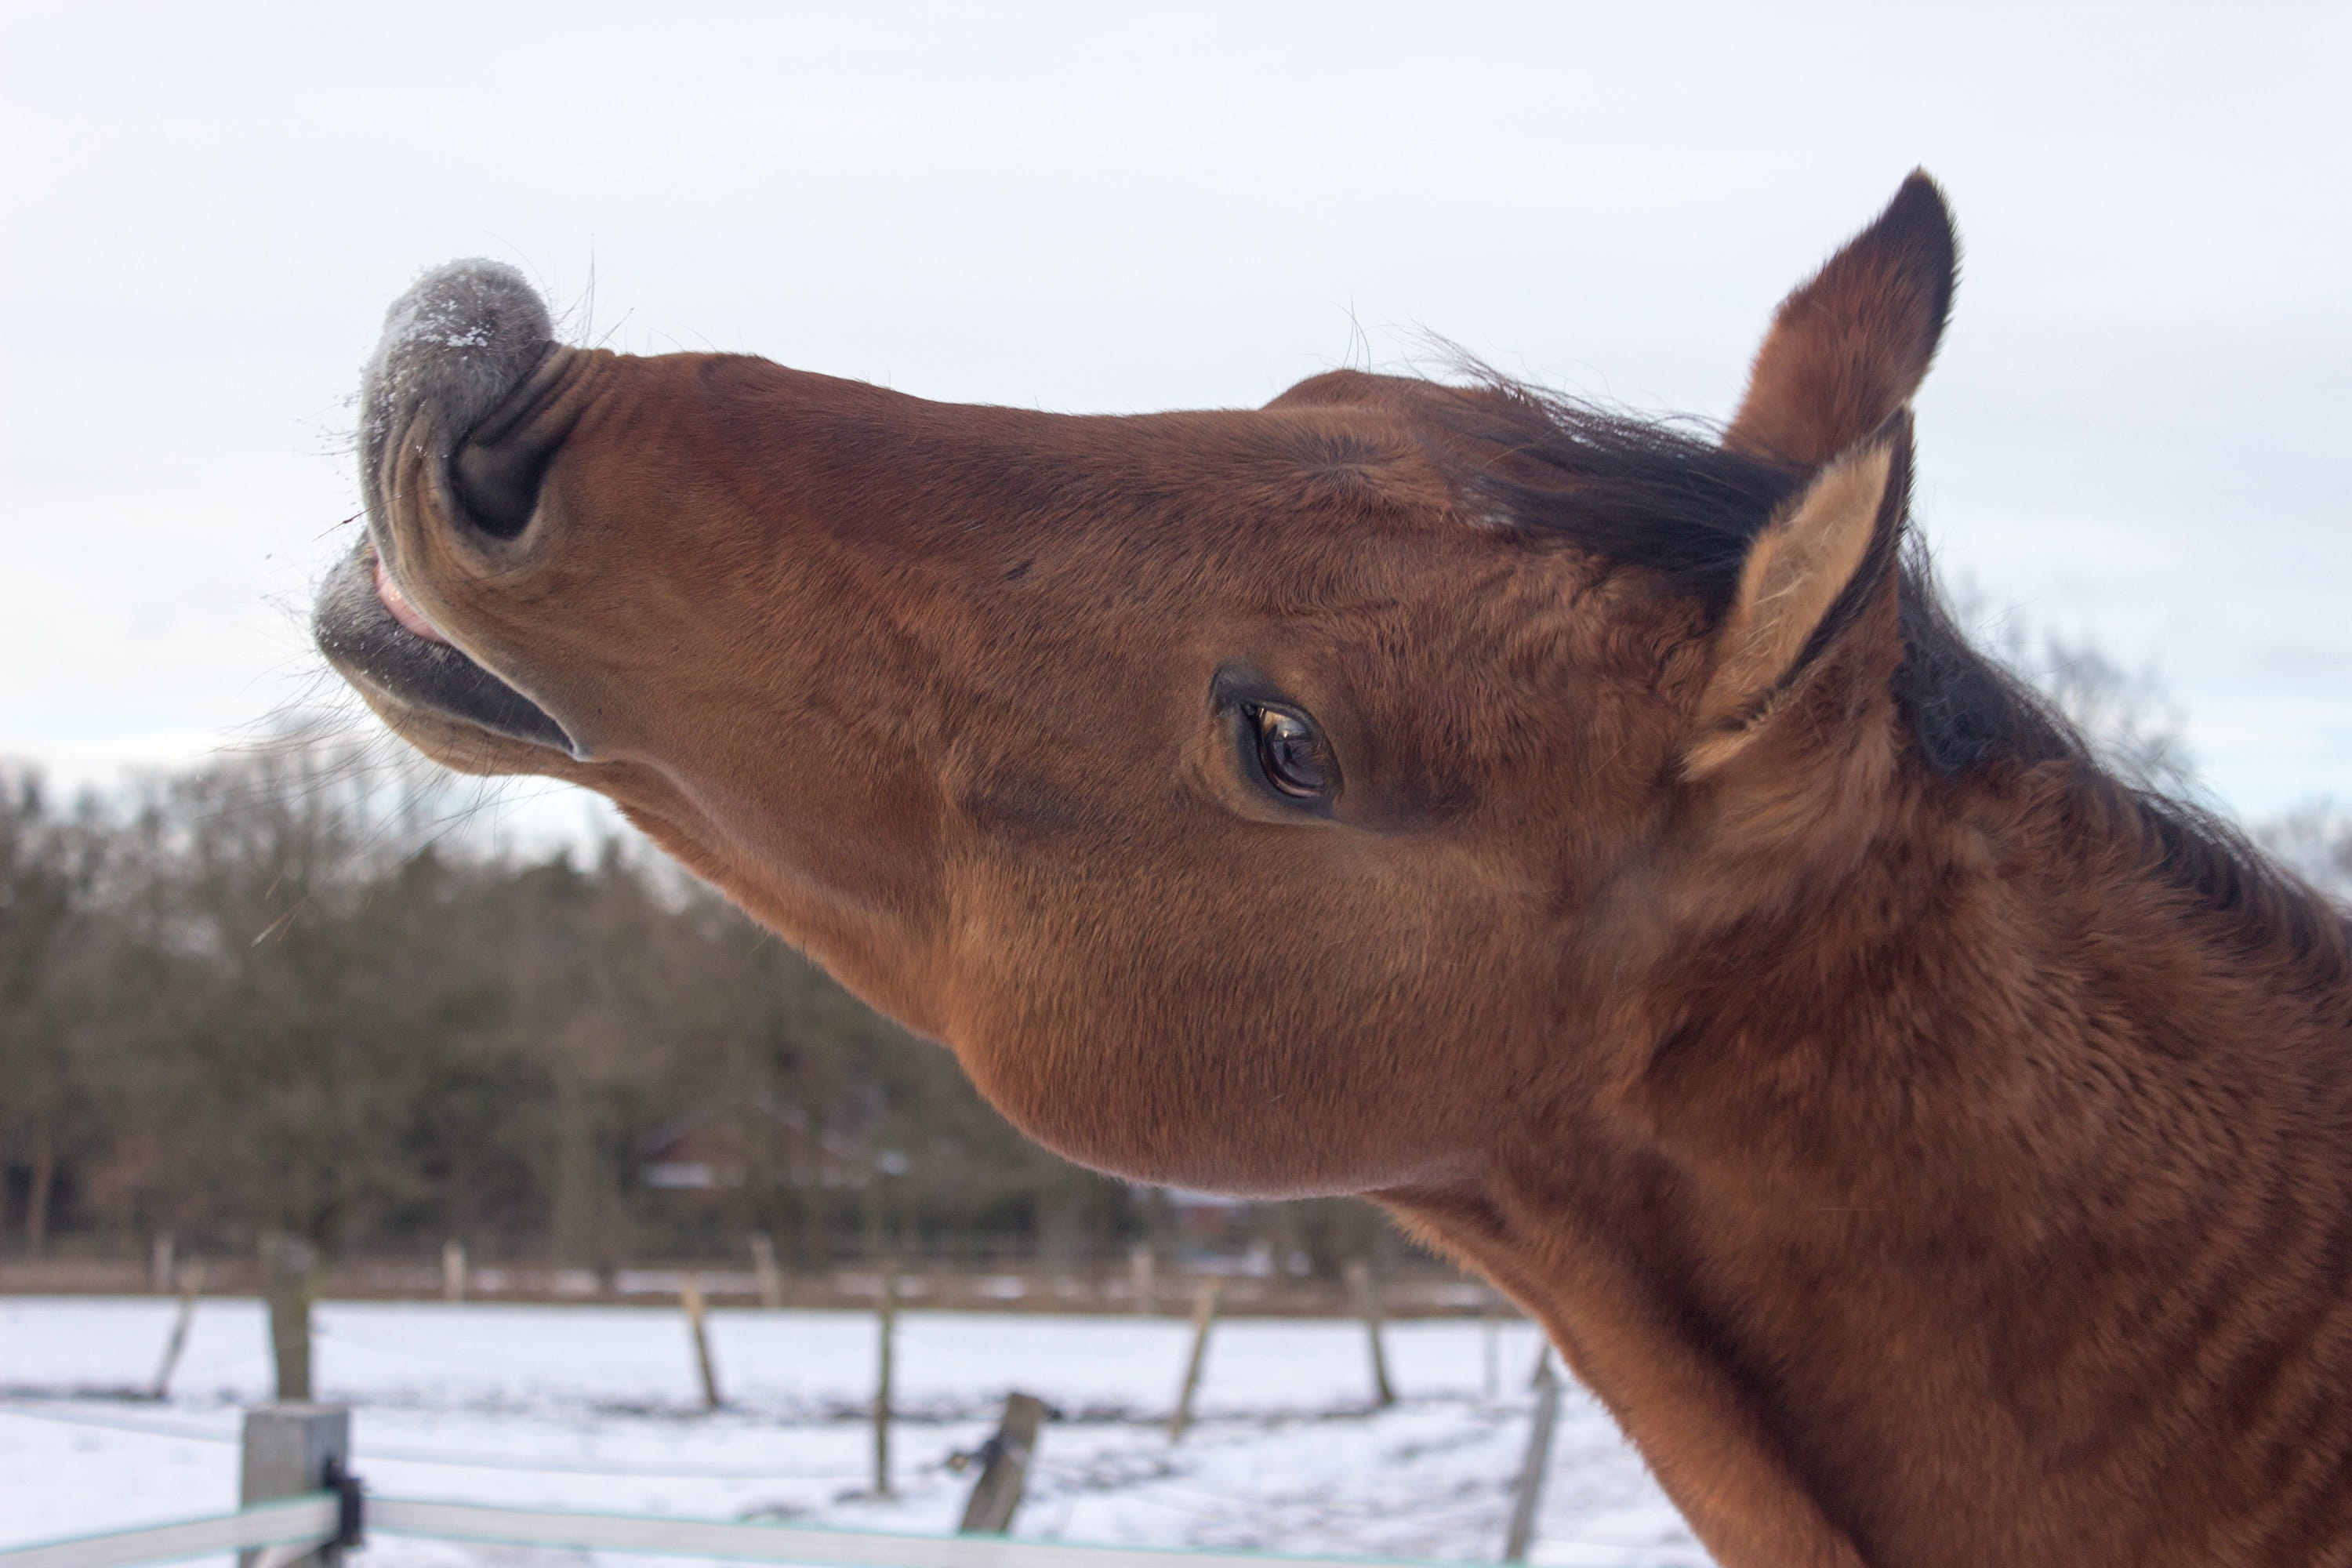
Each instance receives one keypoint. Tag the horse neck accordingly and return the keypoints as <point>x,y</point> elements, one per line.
<point>2002,1225</point>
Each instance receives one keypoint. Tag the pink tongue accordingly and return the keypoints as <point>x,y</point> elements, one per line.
<point>406,613</point>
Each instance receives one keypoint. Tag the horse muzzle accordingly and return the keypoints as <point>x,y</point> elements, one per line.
<point>462,408</point>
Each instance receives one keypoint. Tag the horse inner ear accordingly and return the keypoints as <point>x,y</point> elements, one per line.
<point>1850,345</point>
<point>1804,573</point>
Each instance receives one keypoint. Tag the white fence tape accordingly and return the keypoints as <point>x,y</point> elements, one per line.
<point>801,1545</point>
<point>298,1522</point>
<point>306,1523</point>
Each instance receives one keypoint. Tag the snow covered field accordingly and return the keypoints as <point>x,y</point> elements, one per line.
<point>597,1408</point>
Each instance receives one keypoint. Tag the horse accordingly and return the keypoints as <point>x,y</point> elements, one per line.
<point>1588,836</point>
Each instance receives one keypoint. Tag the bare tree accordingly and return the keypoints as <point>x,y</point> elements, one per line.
<point>2129,719</point>
<point>2316,840</point>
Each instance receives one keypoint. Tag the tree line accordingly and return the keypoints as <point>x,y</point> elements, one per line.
<point>286,991</point>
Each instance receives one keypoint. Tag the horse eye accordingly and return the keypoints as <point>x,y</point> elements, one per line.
<point>1291,755</point>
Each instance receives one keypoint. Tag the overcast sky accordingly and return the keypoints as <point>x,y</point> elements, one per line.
<point>2135,431</point>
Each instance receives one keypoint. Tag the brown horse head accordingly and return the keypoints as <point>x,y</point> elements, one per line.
<point>1585,834</point>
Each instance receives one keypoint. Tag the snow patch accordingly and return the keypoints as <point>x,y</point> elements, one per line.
<point>597,1408</point>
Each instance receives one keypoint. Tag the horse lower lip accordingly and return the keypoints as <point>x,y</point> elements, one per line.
<point>359,630</point>
<point>397,603</point>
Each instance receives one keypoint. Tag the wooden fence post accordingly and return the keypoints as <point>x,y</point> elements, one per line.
<point>764,1265</point>
<point>1139,1275</point>
<point>1004,1468</point>
<point>452,1270</point>
<point>192,1284</point>
<point>888,1320</point>
<point>1204,1317</point>
<point>291,1449</point>
<point>289,1269</point>
<point>1529,1491</point>
<point>689,1296</point>
<point>1368,1306</point>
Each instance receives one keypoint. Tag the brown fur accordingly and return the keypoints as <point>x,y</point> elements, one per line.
<point>1932,1152</point>
<point>1856,339</point>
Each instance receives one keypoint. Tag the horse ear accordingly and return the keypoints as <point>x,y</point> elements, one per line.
<point>1807,575</point>
<point>1849,347</point>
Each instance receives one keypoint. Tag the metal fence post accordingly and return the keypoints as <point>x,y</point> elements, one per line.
<point>689,1297</point>
<point>1491,1332</point>
<point>1367,1291</point>
<point>1529,1492</point>
<point>192,1285</point>
<point>887,1320</point>
<point>291,1449</point>
<point>1139,1281</point>
<point>1204,1317</point>
<point>767,1270</point>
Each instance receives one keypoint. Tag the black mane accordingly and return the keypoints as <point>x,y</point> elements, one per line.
<point>1665,497</point>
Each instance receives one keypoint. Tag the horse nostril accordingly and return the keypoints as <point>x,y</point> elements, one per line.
<point>497,485</point>
<point>496,474</point>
